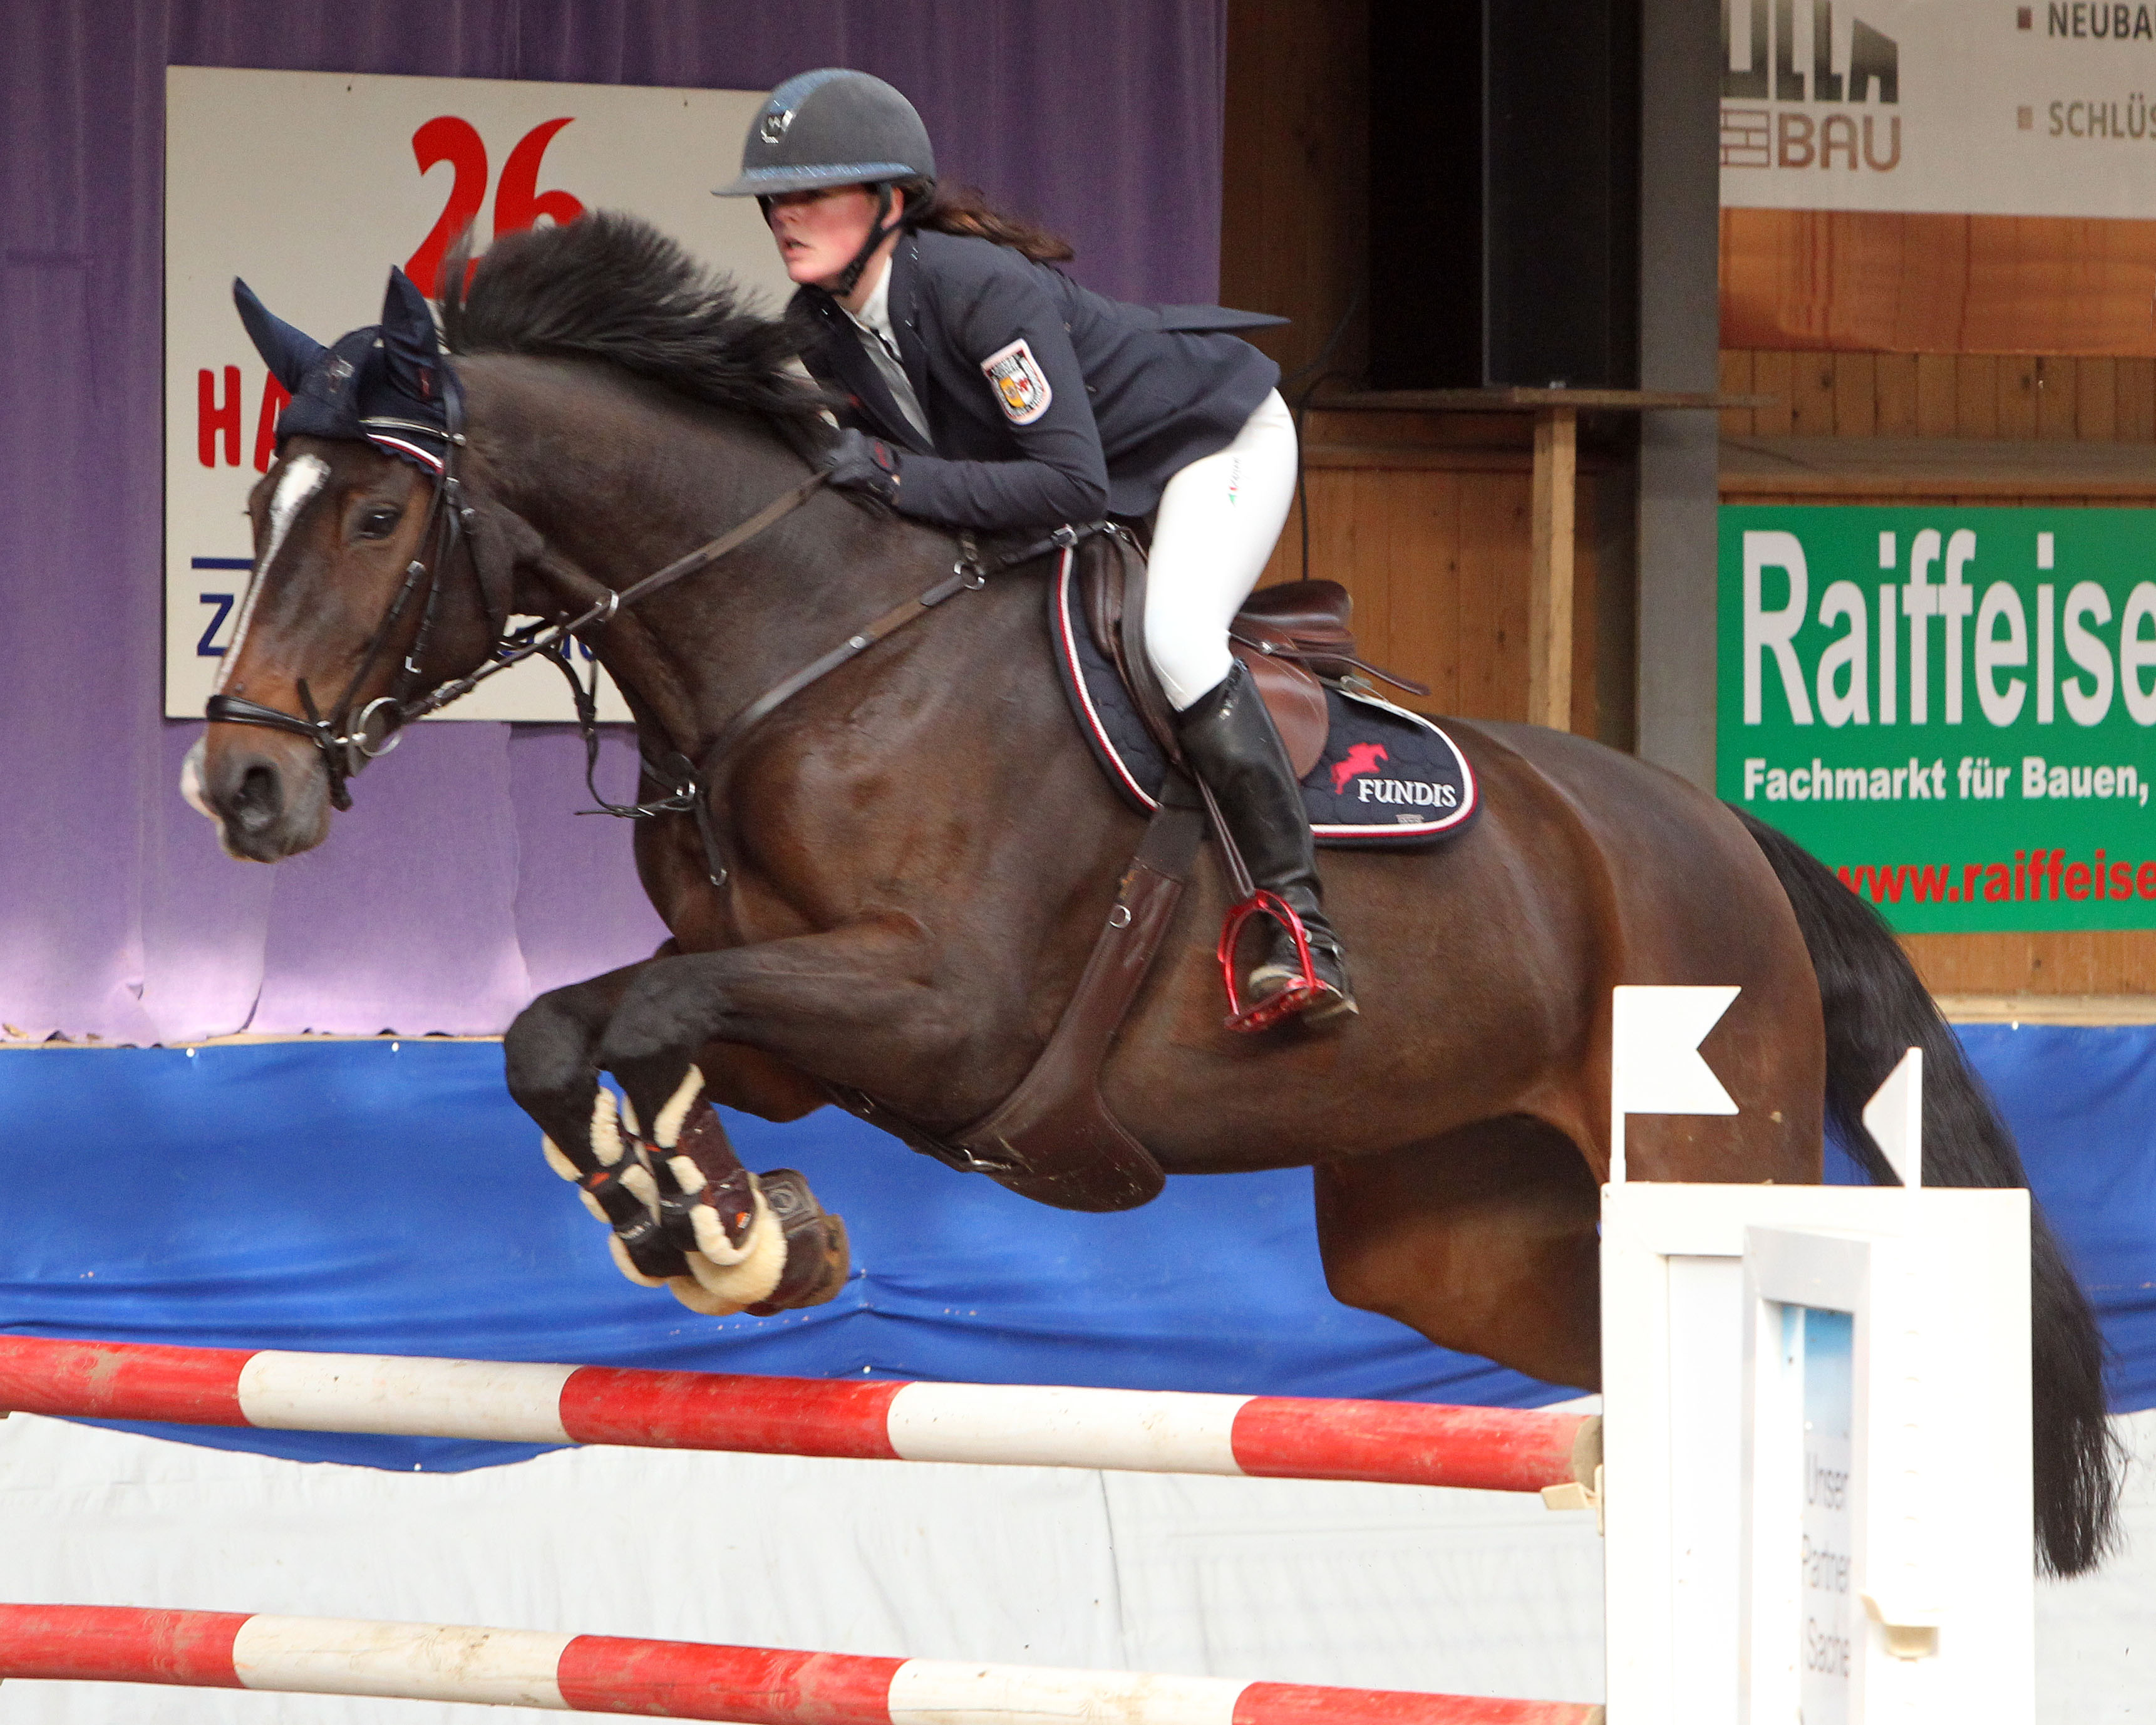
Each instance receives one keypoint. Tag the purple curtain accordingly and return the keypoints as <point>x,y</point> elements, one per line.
<point>462,883</point>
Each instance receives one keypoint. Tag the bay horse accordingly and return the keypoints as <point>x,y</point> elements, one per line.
<point>919,848</point>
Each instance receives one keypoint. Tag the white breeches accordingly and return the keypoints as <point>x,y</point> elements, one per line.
<point>1218,522</point>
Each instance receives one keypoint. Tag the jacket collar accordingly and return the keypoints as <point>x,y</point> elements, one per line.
<point>858,373</point>
<point>904,303</point>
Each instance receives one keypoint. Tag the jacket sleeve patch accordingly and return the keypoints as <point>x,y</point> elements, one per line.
<point>1021,386</point>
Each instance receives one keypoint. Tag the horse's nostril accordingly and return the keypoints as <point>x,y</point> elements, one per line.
<point>259,800</point>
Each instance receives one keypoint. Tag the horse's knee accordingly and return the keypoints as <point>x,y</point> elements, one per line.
<point>660,1021</point>
<point>551,1048</point>
<point>547,1047</point>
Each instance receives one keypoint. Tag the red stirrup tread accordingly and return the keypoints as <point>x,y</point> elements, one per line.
<point>1401,1443</point>
<point>680,1680</point>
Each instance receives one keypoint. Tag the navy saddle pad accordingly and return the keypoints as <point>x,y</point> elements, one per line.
<point>1388,777</point>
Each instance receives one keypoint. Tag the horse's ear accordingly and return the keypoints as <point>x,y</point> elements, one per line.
<point>288,352</point>
<point>408,337</point>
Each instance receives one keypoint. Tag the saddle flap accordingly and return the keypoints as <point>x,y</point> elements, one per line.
<point>1100,591</point>
<point>1296,701</point>
<point>1111,570</point>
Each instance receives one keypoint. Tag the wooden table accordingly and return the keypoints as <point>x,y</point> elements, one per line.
<point>1555,474</point>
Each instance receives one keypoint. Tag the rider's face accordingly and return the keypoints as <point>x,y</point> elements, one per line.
<point>819,231</point>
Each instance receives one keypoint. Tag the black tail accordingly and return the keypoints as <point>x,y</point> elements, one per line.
<point>1876,1007</point>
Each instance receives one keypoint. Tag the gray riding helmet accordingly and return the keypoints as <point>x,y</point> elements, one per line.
<point>832,127</point>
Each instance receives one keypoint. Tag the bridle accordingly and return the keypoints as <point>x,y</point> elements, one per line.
<point>347,742</point>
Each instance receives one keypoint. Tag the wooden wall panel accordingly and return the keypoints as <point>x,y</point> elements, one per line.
<point>1937,284</point>
<point>1433,545</point>
<point>1937,394</point>
<point>2133,401</point>
<point>1896,409</point>
<point>2029,397</point>
<point>2092,961</point>
<point>1295,196</point>
<point>2095,400</point>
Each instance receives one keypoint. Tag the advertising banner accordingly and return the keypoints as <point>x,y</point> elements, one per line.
<point>1961,107</point>
<point>310,186</point>
<point>1950,708</point>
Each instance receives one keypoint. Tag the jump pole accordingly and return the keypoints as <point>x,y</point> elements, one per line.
<point>1279,1437</point>
<point>676,1679</point>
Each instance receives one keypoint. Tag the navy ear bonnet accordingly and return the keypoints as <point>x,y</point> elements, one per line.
<point>390,385</point>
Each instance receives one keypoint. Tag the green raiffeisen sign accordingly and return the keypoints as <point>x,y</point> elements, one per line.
<point>1952,708</point>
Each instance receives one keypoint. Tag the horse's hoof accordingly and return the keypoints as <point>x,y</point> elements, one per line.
<point>818,1257</point>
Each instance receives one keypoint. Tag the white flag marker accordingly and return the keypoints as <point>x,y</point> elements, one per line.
<point>1655,1064</point>
<point>1895,1117</point>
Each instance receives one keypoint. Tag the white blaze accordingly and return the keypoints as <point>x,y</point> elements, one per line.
<point>303,476</point>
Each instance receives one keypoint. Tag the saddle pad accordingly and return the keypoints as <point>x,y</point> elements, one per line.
<point>1388,777</point>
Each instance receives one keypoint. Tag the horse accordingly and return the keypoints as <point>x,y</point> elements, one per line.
<point>886,886</point>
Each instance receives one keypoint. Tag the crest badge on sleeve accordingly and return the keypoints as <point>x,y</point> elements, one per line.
<point>1021,386</point>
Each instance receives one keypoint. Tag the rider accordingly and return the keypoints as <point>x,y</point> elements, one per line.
<point>985,390</point>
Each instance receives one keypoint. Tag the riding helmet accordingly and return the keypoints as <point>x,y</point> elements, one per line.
<point>832,127</point>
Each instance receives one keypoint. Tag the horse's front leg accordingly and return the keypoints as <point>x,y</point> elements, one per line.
<point>684,1213</point>
<point>551,1063</point>
<point>855,1005</point>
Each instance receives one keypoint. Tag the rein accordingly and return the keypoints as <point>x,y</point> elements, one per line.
<point>969,574</point>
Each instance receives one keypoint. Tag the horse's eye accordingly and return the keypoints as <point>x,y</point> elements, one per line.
<point>378,523</point>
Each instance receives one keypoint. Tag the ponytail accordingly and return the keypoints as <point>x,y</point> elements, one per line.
<point>942,207</point>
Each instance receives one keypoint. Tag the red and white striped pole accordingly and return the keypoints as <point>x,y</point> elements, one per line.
<point>677,1679</point>
<point>1401,1443</point>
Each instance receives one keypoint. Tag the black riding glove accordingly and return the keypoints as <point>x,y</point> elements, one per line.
<point>859,462</point>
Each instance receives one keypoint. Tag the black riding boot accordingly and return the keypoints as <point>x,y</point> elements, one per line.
<point>1229,740</point>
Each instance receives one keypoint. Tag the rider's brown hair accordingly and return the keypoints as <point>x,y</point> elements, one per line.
<point>943,207</point>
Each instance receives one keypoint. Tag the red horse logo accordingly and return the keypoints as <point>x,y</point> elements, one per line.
<point>1361,758</point>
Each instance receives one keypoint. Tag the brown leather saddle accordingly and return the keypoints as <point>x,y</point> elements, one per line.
<point>1053,1138</point>
<point>1288,636</point>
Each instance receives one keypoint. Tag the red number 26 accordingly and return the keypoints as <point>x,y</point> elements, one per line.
<point>518,202</point>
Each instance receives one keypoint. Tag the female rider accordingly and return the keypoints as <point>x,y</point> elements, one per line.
<point>985,390</point>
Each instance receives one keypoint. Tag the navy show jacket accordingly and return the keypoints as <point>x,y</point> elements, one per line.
<point>1133,392</point>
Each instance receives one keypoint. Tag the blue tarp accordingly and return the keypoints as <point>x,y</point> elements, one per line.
<point>381,1197</point>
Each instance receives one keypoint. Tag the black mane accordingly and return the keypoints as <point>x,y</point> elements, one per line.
<point>610,286</point>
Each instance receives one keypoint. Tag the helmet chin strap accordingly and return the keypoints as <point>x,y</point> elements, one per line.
<point>880,230</point>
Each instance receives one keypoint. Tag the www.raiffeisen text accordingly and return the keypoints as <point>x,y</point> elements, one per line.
<point>2033,875</point>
